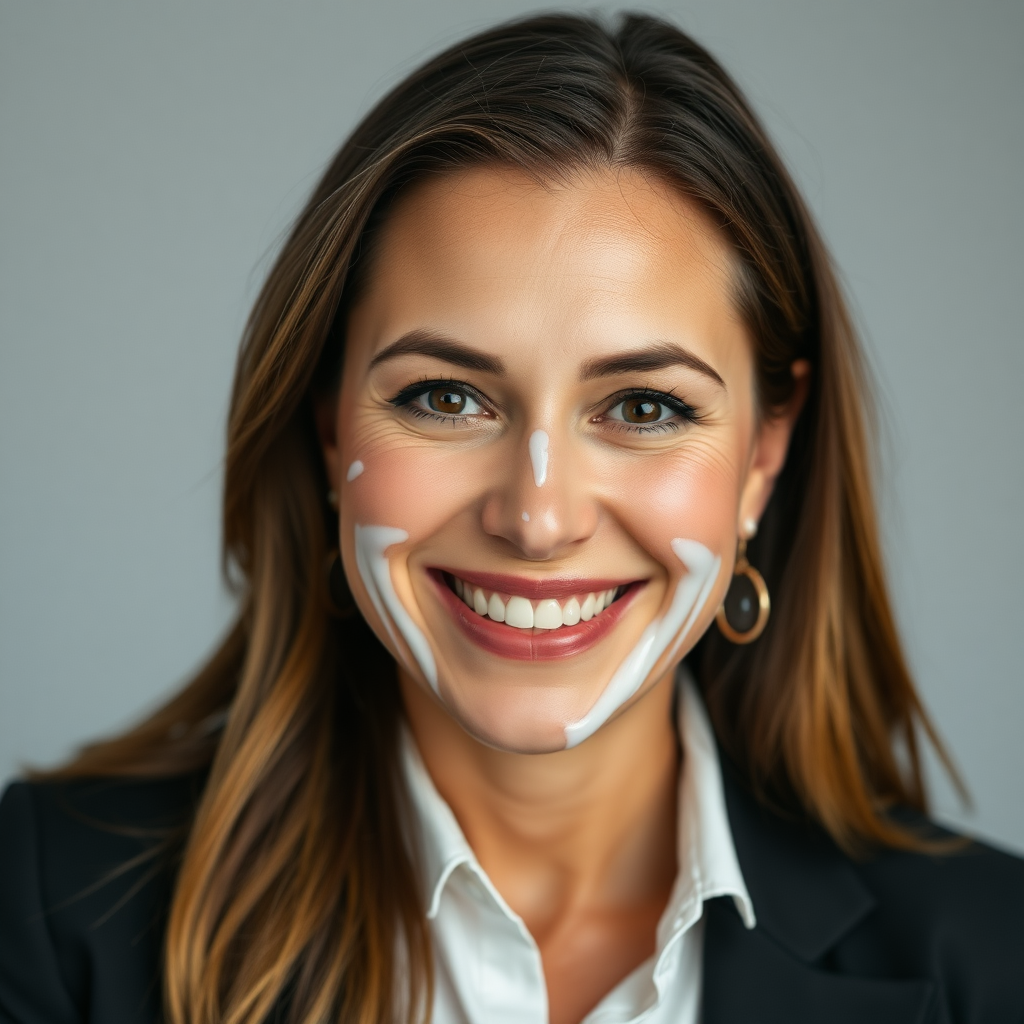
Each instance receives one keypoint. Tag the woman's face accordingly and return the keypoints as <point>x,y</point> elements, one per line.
<point>545,445</point>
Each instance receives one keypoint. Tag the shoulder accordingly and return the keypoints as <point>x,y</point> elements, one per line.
<point>955,915</point>
<point>961,879</point>
<point>941,932</point>
<point>86,869</point>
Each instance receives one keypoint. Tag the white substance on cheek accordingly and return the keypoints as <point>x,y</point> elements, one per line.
<point>692,593</point>
<point>539,456</point>
<point>371,542</point>
<point>526,517</point>
<point>354,470</point>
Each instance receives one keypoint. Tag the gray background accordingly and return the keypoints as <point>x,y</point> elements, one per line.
<point>151,156</point>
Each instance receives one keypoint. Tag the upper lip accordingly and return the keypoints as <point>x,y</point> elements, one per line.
<point>556,587</point>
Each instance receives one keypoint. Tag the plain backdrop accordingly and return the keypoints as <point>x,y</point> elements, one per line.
<point>151,155</point>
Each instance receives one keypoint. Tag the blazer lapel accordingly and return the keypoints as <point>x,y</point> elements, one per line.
<point>807,896</point>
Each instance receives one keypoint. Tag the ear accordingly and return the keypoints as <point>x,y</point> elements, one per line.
<point>325,416</point>
<point>770,448</point>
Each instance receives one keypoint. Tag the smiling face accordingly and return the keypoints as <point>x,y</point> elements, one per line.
<point>544,445</point>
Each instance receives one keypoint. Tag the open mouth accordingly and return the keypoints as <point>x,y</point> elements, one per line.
<point>523,613</point>
<point>530,619</point>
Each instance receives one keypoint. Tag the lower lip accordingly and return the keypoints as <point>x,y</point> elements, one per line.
<point>534,644</point>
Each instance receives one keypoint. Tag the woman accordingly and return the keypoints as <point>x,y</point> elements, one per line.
<point>552,360</point>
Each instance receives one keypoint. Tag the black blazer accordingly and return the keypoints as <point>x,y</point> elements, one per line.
<point>897,939</point>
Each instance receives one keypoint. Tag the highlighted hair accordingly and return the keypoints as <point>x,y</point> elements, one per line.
<point>296,890</point>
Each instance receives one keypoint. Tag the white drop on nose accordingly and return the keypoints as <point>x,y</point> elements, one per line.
<point>539,456</point>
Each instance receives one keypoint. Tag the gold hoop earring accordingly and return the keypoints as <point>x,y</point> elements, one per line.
<point>745,610</point>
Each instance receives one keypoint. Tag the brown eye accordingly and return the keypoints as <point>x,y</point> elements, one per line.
<point>645,409</point>
<point>641,410</point>
<point>447,401</point>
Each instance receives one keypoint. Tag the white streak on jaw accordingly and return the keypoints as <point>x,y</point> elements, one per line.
<point>371,542</point>
<point>539,456</point>
<point>691,594</point>
<point>690,552</point>
<point>354,470</point>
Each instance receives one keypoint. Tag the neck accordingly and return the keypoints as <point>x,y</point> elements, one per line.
<point>591,828</point>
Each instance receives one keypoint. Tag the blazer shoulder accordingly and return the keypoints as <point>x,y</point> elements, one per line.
<point>959,880</point>
<point>955,914</point>
<point>86,868</point>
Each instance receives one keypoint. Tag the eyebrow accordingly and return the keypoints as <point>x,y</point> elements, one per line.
<point>655,357</point>
<point>427,343</point>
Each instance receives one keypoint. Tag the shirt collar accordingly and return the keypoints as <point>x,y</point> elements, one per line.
<point>438,840</point>
<point>708,865</point>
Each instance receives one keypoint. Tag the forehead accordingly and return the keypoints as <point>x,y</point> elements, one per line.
<point>606,256</point>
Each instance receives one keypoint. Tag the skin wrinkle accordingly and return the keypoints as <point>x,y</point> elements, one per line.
<point>554,245</point>
<point>551,281</point>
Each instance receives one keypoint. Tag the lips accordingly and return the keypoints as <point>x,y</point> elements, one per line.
<point>534,620</point>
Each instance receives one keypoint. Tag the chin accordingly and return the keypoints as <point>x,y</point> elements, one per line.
<point>519,722</point>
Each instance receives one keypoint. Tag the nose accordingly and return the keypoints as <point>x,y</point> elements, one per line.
<point>542,505</point>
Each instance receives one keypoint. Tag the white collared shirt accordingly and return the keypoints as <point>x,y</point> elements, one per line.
<point>487,965</point>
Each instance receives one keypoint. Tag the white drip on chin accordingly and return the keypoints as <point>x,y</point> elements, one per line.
<point>665,634</point>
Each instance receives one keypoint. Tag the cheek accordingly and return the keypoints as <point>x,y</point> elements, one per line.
<point>409,486</point>
<point>691,495</point>
<point>402,494</point>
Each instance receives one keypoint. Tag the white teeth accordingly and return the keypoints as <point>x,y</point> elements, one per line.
<point>519,613</point>
<point>547,614</point>
<point>496,608</point>
<point>522,613</point>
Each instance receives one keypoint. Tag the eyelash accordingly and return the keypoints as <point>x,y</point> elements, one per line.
<point>406,398</point>
<point>685,412</point>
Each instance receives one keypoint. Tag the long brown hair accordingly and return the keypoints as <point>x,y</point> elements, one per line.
<point>296,888</point>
